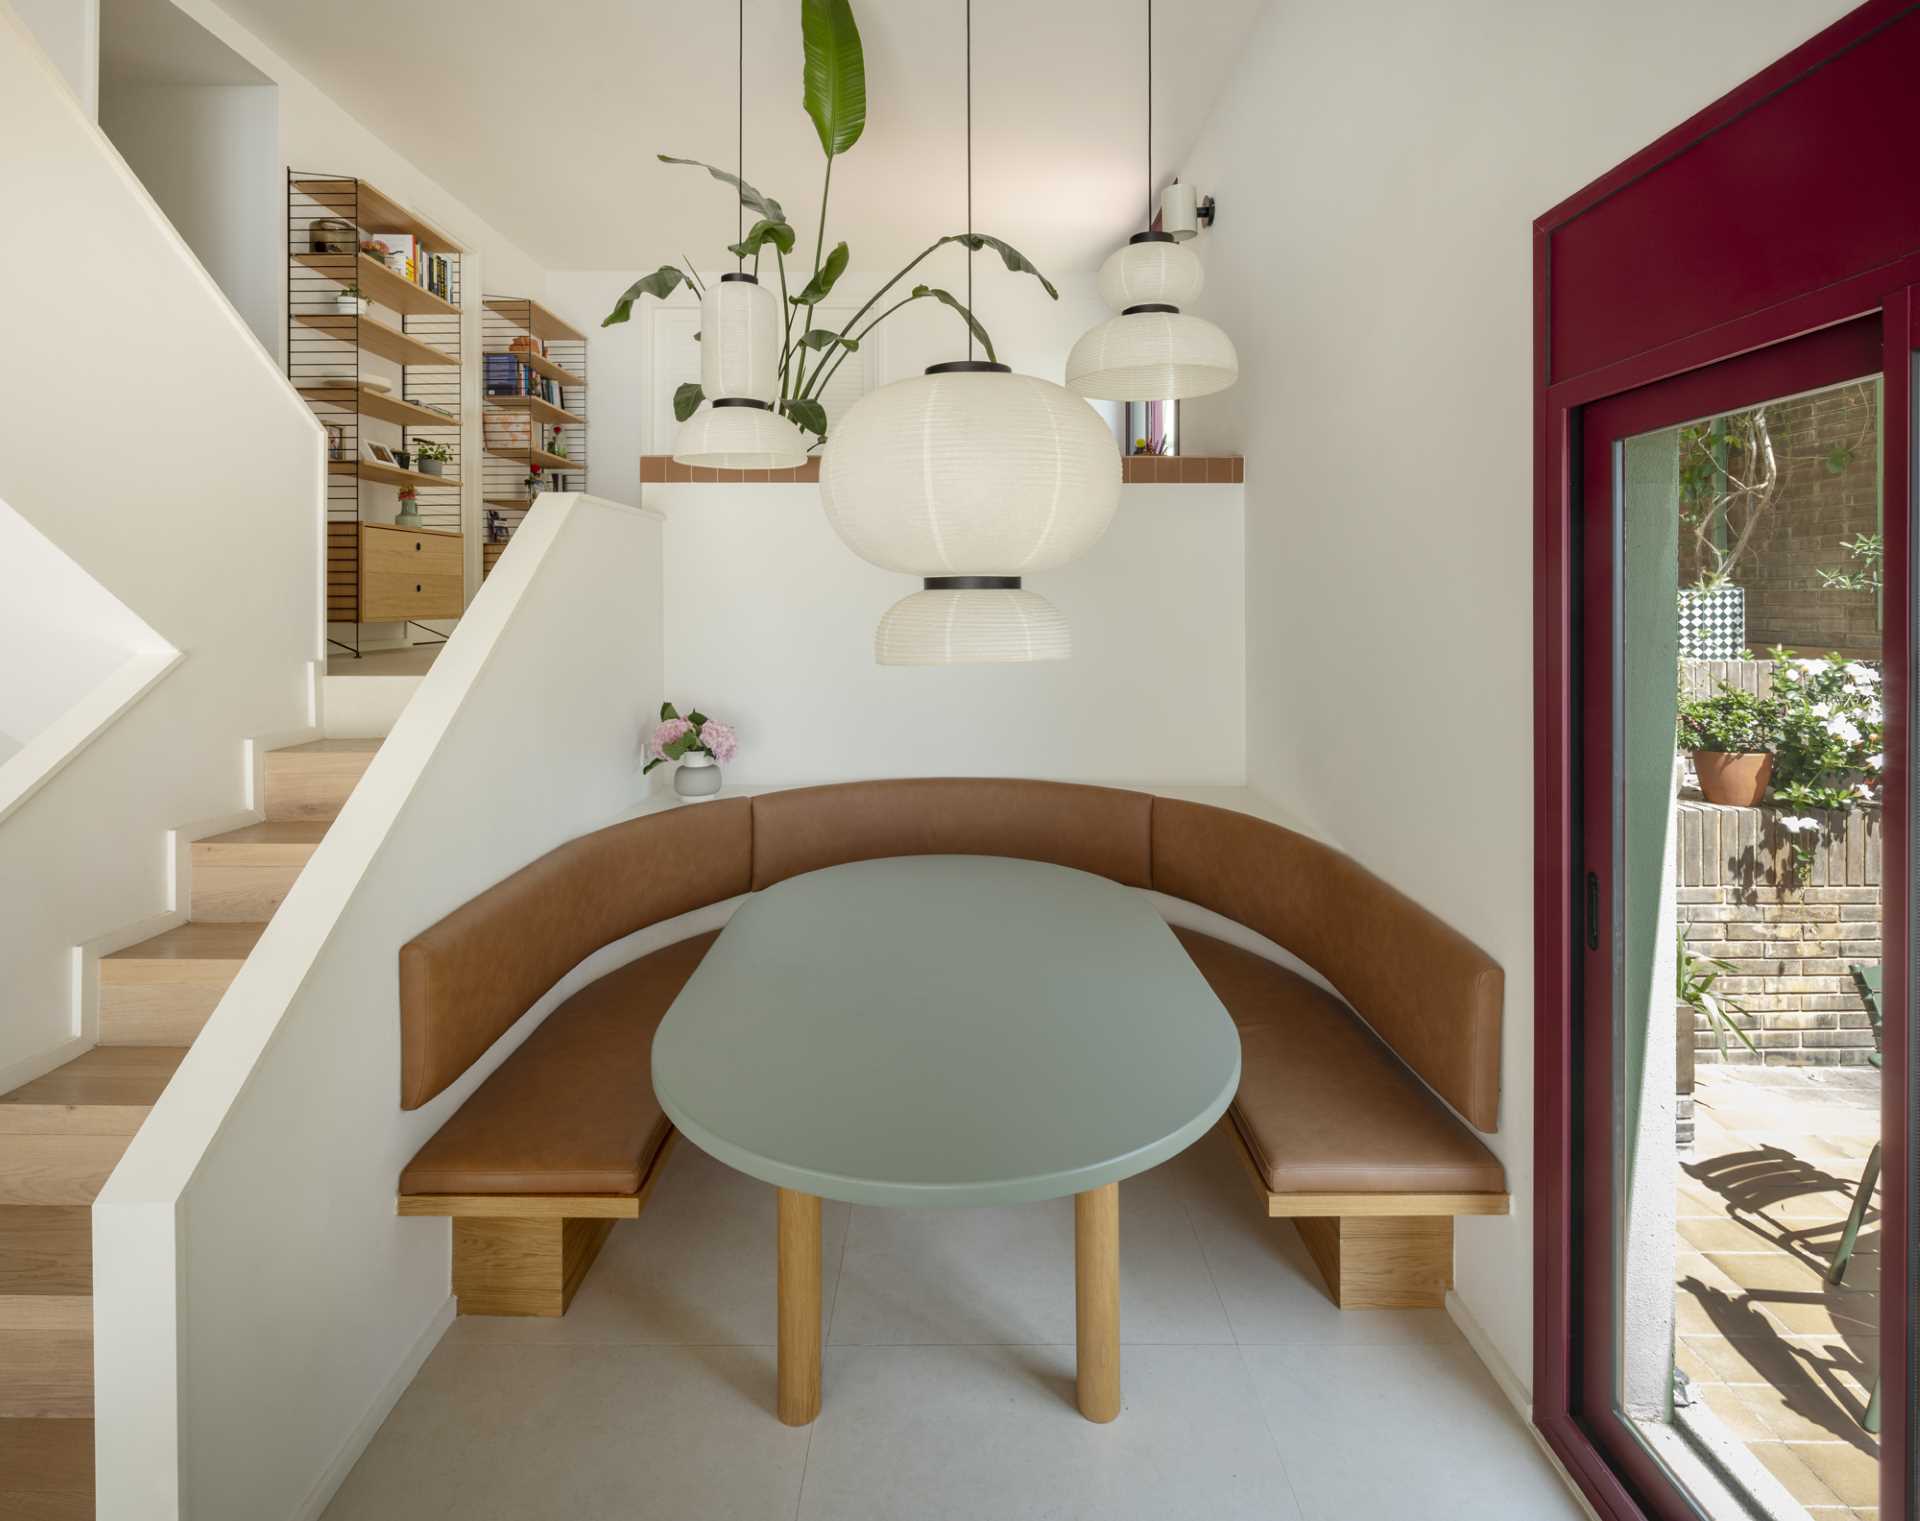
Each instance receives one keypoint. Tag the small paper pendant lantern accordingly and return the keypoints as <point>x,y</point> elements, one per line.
<point>970,476</point>
<point>739,429</point>
<point>1152,351</point>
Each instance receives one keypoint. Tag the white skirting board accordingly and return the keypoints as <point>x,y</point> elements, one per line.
<point>1510,1385</point>
<point>329,1482</point>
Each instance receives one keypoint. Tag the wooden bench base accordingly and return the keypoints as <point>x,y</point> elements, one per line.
<point>1375,1251</point>
<point>527,1254</point>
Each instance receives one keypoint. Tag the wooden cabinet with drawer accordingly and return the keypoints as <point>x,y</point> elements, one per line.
<point>410,573</point>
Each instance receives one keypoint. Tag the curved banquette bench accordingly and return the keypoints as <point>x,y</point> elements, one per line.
<point>1359,1126</point>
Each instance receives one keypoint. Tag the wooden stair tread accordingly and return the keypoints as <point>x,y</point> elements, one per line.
<point>330,747</point>
<point>45,1249</point>
<point>106,1075</point>
<point>195,941</point>
<point>51,1458</point>
<point>273,834</point>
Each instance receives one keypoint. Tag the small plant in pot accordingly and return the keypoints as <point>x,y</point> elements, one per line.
<point>700,744</point>
<point>1731,736</point>
<point>350,303</point>
<point>431,457</point>
<point>409,515</point>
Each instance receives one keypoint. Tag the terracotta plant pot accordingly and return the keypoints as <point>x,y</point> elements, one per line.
<point>1737,780</point>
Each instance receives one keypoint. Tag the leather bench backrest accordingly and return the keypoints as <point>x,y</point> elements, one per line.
<point>1104,830</point>
<point>1427,990</point>
<point>466,980</point>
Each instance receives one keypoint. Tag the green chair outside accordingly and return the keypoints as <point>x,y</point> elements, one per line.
<point>1867,980</point>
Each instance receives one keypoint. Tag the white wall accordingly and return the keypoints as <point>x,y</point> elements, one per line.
<point>1378,172</point>
<point>209,154</point>
<point>770,622</point>
<point>148,437</point>
<point>258,1305</point>
<point>69,30</point>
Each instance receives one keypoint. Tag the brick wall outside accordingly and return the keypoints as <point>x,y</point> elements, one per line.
<point>1790,941</point>
<point>1803,529</point>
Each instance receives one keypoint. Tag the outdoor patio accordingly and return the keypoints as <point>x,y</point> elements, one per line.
<point>1786,1360</point>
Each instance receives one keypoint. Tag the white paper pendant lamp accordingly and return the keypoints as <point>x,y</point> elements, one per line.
<point>957,621</point>
<point>740,369</point>
<point>971,477</point>
<point>1152,351</point>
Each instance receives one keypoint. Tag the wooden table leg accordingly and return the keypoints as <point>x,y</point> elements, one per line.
<point>799,1292</point>
<point>1096,1283</point>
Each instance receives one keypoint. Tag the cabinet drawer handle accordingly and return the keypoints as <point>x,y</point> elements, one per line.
<point>416,588</point>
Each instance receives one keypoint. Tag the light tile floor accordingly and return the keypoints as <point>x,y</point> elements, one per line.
<point>1785,1359</point>
<point>948,1387</point>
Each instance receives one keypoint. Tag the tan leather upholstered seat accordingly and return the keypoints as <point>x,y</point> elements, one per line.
<point>572,1111</point>
<point>1324,1106</point>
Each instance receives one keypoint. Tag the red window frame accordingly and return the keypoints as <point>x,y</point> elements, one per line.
<point>1636,293</point>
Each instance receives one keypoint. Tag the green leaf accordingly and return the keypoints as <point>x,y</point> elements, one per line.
<point>826,338</point>
<point>1010,256</point>
<point>686,400</point>
<point>764,231</point>
<point>661,283</point>
<point>824,278</point>
<point>807,413</point>
<point>680,746</point>
<point>649,765</point>
<point>668,710</point>
<point>696,718</point>
<point>760,205</point>
<point>834,73</point>
<point>948,298</point>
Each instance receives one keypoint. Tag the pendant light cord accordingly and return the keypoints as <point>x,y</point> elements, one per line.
<point>740,141</point>
<point>969,174</point>
<point>1149,115</point>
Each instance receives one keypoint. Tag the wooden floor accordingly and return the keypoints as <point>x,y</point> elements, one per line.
<point>414,661</point>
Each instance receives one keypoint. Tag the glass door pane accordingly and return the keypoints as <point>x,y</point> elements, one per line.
<point>1745,1009</point>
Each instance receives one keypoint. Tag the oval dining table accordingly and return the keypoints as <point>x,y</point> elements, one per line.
<point>946,1030</point>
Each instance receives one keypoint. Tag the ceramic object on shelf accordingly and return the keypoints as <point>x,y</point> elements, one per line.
<point>697,775</point>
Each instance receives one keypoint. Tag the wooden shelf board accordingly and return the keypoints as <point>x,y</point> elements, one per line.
<point>378,283</point>
<point>381,404</point>
<point>532,317</point>
<point>541,457</point>
<point>376,211</point>
<point>438,533</point>
<point>511,503</point>
<point>539,408</point>
<point>388,475</point>
<point>375,337</point>
<point>540,365</point>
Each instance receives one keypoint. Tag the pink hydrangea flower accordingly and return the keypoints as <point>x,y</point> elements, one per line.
<point>667,732</point>
<point>720,739</point>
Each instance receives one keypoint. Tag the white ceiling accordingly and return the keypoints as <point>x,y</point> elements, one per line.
<point>546,118</point>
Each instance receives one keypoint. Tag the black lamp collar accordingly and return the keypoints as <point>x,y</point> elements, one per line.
<point>1148,306</point>
<point>740,275</point>
<point>972,583</point>
<point>742,401</point>
<point>969,367</point>
<point>1153,237</point>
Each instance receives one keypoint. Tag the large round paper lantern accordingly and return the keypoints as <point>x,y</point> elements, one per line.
<point>739,428</point>
<point>1152,351</point>
<point>971,477</point>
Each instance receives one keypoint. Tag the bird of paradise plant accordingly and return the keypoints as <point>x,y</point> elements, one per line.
<point>834,92</point>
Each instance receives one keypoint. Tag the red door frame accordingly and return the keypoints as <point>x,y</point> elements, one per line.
<point>1605,326</point>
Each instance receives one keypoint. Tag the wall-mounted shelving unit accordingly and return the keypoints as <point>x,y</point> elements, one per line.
<point>397,364</point>
<point>534,395</point>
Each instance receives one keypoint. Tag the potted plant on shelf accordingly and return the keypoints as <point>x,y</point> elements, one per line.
<point>350,303</point>
<point>1731,736</point>
<point>431,456</point>
<point>700,744</point>
<point>409,516</point>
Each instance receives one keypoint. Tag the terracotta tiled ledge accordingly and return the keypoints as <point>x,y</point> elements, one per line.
<point>1136,470</point>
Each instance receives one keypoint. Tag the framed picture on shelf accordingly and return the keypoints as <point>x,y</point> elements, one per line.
<point>380,454</point>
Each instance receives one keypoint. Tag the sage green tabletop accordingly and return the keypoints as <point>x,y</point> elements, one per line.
<point>945,1030</point>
